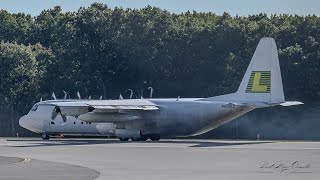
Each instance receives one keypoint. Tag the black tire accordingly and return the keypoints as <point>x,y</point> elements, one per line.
<point>136,139</point>
<point>143,138</point>
<point>45,136</point>
<point>123,139</point>
<point>156,138</point>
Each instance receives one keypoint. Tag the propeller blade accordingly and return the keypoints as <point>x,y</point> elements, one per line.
<point>56,111</point>
<point>65,94</point>
<point>131,92</point>
<point>151,91</point>
<point>78,94</point>
<point>53,96</point>
<point>54,115</point>
<point>64,118</point>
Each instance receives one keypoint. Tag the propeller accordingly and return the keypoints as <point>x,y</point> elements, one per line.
<point>131,92</point>
<point>53,96</point>
<point>78,94</point>
<point>57,111</point>
<point>65,94</point>
<point>151,91</point>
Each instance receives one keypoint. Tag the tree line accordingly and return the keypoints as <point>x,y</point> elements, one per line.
<point>100,50</point>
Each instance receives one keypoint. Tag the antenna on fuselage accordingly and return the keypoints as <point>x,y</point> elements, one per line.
<point>41,99</point>
<point>89,98</point>
<point>178,98</point>
<point>100,98</point>
<point>53,96</point>
<point>151,91</point>
<point>120,96</point>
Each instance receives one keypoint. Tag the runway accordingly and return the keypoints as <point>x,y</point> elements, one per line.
<point>24,158</point>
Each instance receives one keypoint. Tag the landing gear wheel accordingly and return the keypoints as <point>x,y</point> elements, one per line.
<point>155,138</point>
<point>143,138</point>
<point>45,136</point>
<point>135,139</point>
<point>123,139</point>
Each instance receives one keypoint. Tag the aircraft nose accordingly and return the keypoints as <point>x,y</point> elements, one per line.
<point>31,124</point>
<point>23,122</point>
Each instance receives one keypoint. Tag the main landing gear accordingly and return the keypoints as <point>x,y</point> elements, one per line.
<point>45,136</point>
<point>123,139</point>
<point>154,138</point>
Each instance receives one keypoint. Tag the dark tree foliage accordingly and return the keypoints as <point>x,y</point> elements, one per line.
<point>104,51</point>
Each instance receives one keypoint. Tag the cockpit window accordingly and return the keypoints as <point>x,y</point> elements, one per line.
<point>34,108</point>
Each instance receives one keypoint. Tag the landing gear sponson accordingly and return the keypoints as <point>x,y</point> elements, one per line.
<point>155,138</point>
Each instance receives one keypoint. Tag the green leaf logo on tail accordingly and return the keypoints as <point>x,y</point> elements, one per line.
<point>259,82</point>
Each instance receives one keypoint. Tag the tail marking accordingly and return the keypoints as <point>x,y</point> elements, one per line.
<point>259,82</point>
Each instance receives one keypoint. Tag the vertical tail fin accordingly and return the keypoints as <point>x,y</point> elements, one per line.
<point>262,81</point>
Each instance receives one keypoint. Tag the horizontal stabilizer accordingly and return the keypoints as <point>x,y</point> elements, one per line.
<point>291,103</point>
<point>263,105</point>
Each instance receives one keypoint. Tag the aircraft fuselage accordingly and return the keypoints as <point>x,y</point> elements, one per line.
<point>175,117</point>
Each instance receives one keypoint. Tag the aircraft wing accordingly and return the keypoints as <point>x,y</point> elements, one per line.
<point>104,108</point>
<point>118,108</point>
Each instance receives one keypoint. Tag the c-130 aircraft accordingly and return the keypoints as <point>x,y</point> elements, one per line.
<point>140,119</point>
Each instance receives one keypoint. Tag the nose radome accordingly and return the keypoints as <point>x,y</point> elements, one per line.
<point>22,121</point>
<point>31,124</point>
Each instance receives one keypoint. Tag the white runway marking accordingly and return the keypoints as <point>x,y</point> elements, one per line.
<point>26,160</point>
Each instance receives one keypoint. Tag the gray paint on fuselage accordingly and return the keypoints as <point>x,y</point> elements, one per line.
<point>185,117</point>
<point>43,113</point>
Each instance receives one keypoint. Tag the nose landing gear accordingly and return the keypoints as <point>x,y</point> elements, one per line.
<point>123,139</point>
<point>45,136</point>
<point>155,138</point>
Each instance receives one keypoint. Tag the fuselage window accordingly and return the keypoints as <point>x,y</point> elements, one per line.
<point>34,108</point>
<point>74,122</point>
<point>52,122</point>
<point>81,122</point>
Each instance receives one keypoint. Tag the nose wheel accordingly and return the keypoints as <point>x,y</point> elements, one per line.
<point>155,138</point>
<point>45,136</point>
<point>123,139</point>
